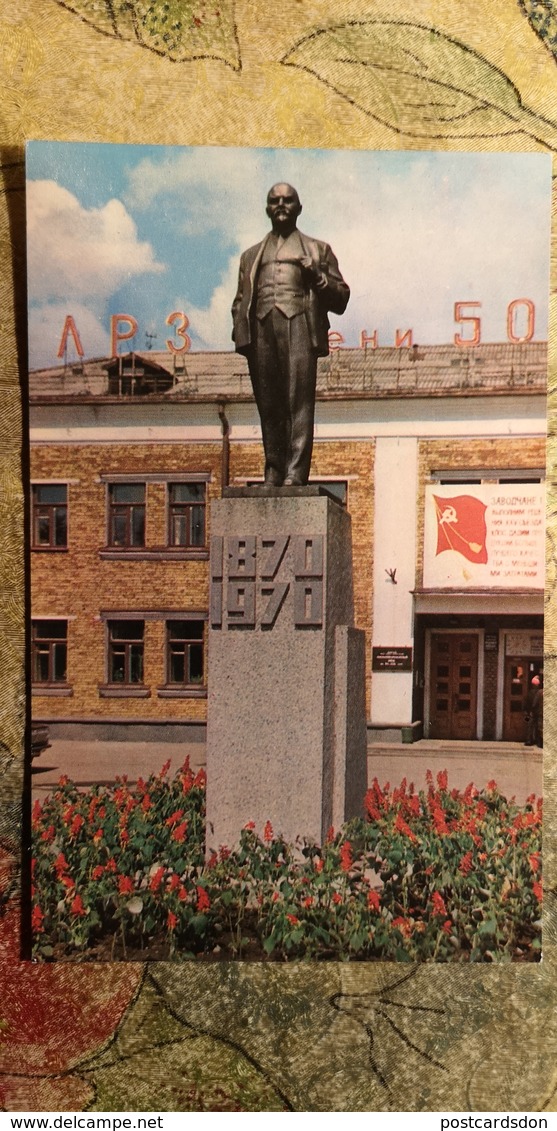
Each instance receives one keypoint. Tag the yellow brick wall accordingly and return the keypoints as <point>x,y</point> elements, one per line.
<point>469,454</point>
<point>78,584</point>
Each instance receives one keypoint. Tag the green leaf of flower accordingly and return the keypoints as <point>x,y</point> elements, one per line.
<point>418,81</point>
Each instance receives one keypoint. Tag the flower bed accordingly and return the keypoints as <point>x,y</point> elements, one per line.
<point>437,874</point>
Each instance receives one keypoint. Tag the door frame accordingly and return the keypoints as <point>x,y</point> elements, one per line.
<point>480,633</point>
<point>501,686</point>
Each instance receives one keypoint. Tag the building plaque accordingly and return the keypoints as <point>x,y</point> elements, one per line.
<point>392,659</point>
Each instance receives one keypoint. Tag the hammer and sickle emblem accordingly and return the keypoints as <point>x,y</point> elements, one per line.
<point>449,515</point>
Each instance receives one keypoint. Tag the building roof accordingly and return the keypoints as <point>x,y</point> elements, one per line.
<point>444,370</point>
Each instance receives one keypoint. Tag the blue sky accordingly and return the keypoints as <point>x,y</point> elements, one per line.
<point>147,230</point>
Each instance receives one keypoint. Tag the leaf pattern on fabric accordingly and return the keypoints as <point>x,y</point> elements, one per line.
<point>542,16</point>
<point>385,1016</point>
<point>203,1071</point>
<point>181,30</point>
<point>417,81</point>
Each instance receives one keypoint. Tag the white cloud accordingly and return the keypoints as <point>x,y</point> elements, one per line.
<point>87,253</point>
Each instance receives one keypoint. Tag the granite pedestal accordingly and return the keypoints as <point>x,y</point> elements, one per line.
<point>286,727</point>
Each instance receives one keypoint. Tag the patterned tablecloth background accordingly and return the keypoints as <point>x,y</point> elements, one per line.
<point>351,1037</point>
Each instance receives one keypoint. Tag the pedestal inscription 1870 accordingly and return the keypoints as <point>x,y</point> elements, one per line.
<point>257,580</point>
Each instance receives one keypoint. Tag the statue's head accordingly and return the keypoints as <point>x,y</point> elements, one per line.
<point>283,207</point>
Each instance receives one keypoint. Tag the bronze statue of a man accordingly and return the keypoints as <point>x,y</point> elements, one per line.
<point>287,284</point>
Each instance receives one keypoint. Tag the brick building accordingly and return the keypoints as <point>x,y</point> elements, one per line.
<point>438,453</point>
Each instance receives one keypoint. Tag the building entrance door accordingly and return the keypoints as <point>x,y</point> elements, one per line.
<point>519,672</point>
<point>453,685</point>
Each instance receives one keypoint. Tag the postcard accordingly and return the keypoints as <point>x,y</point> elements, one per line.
<point>350,669</point>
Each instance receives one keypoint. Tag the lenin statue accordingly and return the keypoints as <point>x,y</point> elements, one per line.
<point>287,284</point>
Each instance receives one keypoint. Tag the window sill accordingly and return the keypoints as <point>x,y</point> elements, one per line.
<point>167,554</point>
<point>49,549</point>
<point>62,689</point>
<point>182,692</point>
<point>123,691</point>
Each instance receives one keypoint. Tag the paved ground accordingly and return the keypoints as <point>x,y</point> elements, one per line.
<point>516,769</point>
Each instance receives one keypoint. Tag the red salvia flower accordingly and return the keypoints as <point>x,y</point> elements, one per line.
<point>403,925</point>
<point>203,901</point>
<point>373,900</point>
<point>308,901</point>
<point>77,907</point>
<point>60,865</point>
<point>346,859</point>
<point>48,834</point>
<point>76,824</point>
<point>172,921</point>
<point>125,885</point>
<point>442,779</point>
<point>292,919</point>
<point>439,821</point>
<point>337,898</point>
<point>186,777</point>
<point>156,879</point>
<point>174,817</point>
<point>538,890</point>
<point>37,917</point>
<point>97,872</point>
<point>402,827</point>
<point>465,865</point>
<point>438,904</point>
<point>268,832</point>
<point>534,861</point>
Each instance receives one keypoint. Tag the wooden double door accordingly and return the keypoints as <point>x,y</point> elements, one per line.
<point>453,695</point>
